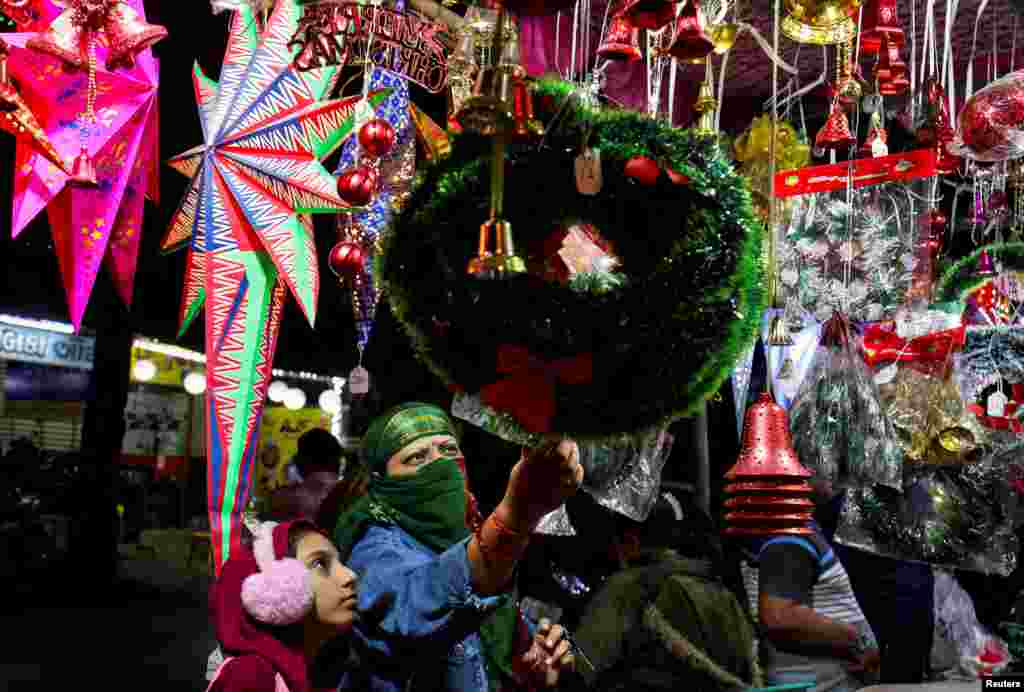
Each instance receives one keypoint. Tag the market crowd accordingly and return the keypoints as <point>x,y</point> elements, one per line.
<point>392,579</point>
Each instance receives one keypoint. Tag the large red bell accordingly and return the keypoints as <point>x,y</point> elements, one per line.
<point>880,21</point>
<point>767,446</point>
<point>890,65</point>
<point>128,35</point>
<point>835,133</point>
<point>649,14</point>
<point>622,42</point>
<point>691,41</point>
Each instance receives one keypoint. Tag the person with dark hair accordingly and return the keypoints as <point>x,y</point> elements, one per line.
<point>277,605</point>
<point>317,463</point>
<point>417,534</point>
<point>664,618</point>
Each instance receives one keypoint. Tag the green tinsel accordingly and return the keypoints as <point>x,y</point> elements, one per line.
<point>663,342</point>
<point>960,280</point>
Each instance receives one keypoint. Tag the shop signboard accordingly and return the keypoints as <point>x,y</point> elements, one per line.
<point>31,345</point>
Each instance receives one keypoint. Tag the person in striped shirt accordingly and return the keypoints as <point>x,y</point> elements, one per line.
<point>812,627</point>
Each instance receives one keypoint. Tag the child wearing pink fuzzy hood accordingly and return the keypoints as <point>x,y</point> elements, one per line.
<point>276,606</point>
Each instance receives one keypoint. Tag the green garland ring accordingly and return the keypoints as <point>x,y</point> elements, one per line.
<point>662,343</point>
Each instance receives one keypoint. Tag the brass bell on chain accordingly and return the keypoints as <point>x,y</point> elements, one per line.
<point>822,23</point>
<point>490,108</point>
<point>502,259</point>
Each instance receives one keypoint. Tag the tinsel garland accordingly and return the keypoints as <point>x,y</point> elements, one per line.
<point>865,270</point>
<point>962,279</point>
<point>957,517</point>
<point>662,342</point>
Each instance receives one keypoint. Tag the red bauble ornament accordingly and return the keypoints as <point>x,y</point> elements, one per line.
<point>992,121</point>
<point>346,259</point>
<point>677,178</point>
<point>377,137</point>
<point>358,186</point>
<point>642,169</point>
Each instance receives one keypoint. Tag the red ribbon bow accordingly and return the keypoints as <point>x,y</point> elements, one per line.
<point>928,353</point>
<point>528,393</point>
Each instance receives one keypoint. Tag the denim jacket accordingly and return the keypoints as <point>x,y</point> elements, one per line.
<point>429,636</point>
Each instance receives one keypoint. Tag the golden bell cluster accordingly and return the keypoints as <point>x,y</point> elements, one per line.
<point>768,489</point>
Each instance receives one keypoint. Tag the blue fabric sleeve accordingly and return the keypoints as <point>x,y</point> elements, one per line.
<point>433,594</point>
<point>788,570</point>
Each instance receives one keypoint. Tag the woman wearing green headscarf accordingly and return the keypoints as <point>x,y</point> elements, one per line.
<point>417,536</point>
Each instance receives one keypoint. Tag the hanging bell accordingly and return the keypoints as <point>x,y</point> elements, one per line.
<point>524,125</point>
<point>706,106</point>
<point>622,41</point>
<point>502,261</point>
<point>827,24</point>
<point>879,22</point>
<point>786,371</point>
<point>767,446</point>
<point>690,41</point>
<point>724,37</point>
<point>649,14</point>
<point>890,65</point>
<point>128,35</point>
<point>877,142</point>
<point>986,268</point>
<point>778,333</point>
<point>63,40</point>
<point>490,109</point>
<point>835,133</point>
<point>83,171</point>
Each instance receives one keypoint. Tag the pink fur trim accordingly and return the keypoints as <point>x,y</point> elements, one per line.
<point>263,545</point>
<point>279,595</point>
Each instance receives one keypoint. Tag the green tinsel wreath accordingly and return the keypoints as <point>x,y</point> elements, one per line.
<point>662,341</point>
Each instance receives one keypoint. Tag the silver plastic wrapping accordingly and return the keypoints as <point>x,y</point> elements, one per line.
<point>623,478</point>
<point>862,266</point>
<point>962,647</point>
<point>953,517</point>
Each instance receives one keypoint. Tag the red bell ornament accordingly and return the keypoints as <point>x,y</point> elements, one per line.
<point>649,14</point>
<point>622,42</point>
<point>377,138</point>
<point>835,133</point>
<point>880,23</point>
<point>128,35</point>
<point>642,169</point>
<point>767,445</point>
<point>691,41</point>
<point>358,186</point>
<point>346,259</point>
<point>890,65</point>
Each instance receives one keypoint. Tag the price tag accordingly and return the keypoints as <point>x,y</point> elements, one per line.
<point>359,380</point>
<point>997,405</point>
<point>886,374</point>
<point>588,172</point>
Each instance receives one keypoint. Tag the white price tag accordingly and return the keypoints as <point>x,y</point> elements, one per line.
<point>359,380</point>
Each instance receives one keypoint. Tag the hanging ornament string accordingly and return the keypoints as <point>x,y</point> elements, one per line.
<point>948,79</point>
<point>912,101</point>
<point>1013,45</point>
<point>969,87</point>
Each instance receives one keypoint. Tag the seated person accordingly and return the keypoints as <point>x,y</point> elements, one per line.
<point>417,535</point>
<point>663,620</point>
<point>813,628</point>
<point>316,463</point>
<point>276,606</point>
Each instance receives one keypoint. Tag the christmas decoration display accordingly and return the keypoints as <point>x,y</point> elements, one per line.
<point>954,517</point>
<point>583,358</point>
<point>836,419</point>
<point>394,168</point>
<point>989,125</point>
<point>768,487</point>
<point>94,204</point>
<point>251,179</point>
<point>853,253</point>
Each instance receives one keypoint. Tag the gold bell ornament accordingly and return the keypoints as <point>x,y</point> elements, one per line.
<point>823,23</point>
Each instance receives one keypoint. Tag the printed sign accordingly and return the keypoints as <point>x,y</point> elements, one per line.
<point>32,345</point>
<point>334,33</point>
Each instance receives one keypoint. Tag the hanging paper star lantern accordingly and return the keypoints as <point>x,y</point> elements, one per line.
<point>90,225</point>
<point>256,174</point>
